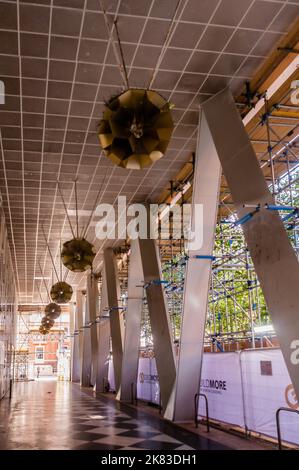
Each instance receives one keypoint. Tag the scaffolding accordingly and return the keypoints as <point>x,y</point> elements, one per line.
<point>237,314</point>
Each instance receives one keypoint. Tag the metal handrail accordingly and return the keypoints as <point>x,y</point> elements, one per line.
<point>196,401</point>
<point>134,400</point>
<point>278,423</point>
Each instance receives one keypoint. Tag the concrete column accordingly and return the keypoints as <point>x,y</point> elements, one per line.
<point>72,312</point>
<point>77,341</point>
<point>116,317</point>
<point>86,350</point>
<point>207,173</point>
<point>159,318</point>
<point>103,333</point>
<point>92,305</point>
<point>274,259</point>
<point>133,322</point>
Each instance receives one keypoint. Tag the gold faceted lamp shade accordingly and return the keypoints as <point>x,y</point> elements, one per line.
<point>61,292</point>
<point>77,255</point>
<point>43,330</point>
<point>47,322</point>
<point>136,128</point>
<point>52,311</point>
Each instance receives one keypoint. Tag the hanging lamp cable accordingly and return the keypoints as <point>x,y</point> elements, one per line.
<point>168,38</point>
<point>118,54</point>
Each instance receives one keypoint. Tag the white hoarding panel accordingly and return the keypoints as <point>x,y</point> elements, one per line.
<point>148,381</point>
<point>267,387</point>
<point>221,383</point>
<point>243,388</point>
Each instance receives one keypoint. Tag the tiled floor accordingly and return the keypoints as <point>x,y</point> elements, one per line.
<point>59,415</point>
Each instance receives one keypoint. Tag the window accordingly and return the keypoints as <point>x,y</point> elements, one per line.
<point>39,353</point>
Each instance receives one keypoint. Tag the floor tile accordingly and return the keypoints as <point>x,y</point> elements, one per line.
<point>165,438</point>
<point>119,440</point>
<point>156,445</point>
<point>72,418</point>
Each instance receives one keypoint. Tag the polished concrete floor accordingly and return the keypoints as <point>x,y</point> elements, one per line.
<point>59,415</point>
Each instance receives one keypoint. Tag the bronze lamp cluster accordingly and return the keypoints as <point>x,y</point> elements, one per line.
<point>52,312</point>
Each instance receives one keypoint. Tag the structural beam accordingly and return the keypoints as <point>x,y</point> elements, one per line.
<point>133,323</point>
<point>116,316</point>
<point>207,173</point>
<point>86,350</point>
<point>159,318</point>
<point>72,308</point>
<point>77,341</point>
<point>274,259</point>
<point>92,305</point>
<point>103,334</point>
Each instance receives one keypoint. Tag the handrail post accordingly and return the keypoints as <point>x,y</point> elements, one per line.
<point>132,393</point>
<point>196,401</point>
<point>196,397</point>
<point>278,429</point>
<point>160,403</point>
<point>10,388</point>
<point>278,423</point>
<point>136,399</point>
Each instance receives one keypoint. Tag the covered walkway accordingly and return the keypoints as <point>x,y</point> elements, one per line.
<point>48,415</point>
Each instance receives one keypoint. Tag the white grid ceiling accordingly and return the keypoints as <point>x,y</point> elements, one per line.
<point>58,66</point>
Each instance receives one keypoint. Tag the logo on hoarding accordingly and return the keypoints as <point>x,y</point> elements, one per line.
<point>290,397</point>
<point>148,378</point>
<point>213,385</point>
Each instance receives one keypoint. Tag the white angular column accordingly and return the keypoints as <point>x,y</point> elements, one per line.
<point>86,349</point>
<point>273,257</point>
<point>159,318</point>
<point>72,313</point>
<point>103,333</point>
<point>77,340</point>
<point>116,316</point>
<point>207,173</point>
<point>133,322</point>
<point>92,305</point>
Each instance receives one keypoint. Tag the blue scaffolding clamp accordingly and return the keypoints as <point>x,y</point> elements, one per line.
<point>275,207</point>
<point>211,257</point>
<point>270,207</point>
<point>155,282</point>
<point>115,308</point>
<point>215,341</point>
<point>246,217</point>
